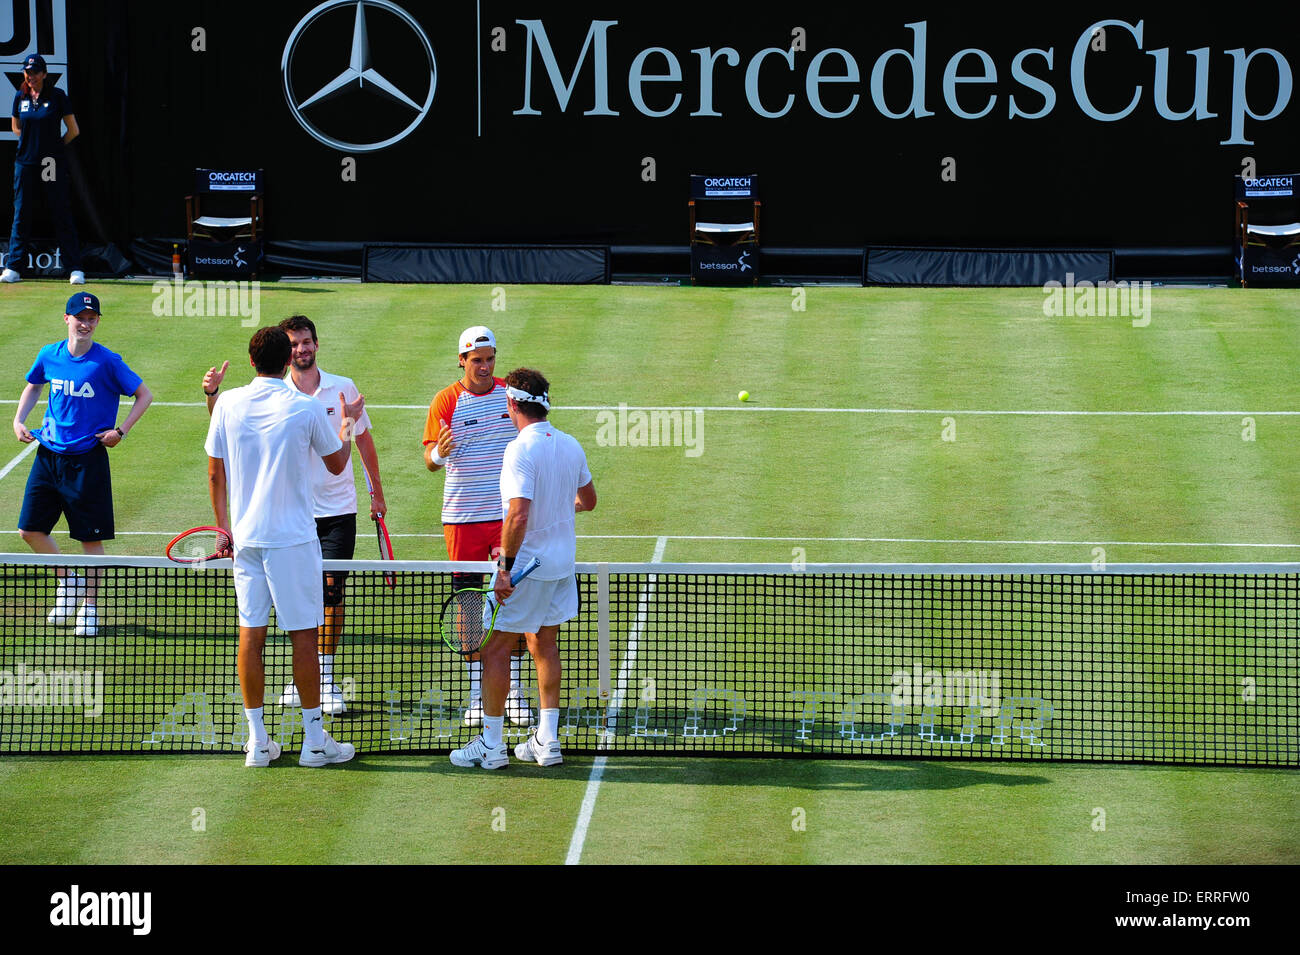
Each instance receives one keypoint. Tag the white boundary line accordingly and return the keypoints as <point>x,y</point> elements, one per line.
<point>815,540</point>
<point>994,412</point>
<point>15,462</point>
<point>620,696</point>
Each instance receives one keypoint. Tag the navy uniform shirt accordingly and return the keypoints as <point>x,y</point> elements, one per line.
<point>42,124</point>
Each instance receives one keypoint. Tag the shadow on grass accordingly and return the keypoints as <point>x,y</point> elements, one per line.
<point>811,774</point>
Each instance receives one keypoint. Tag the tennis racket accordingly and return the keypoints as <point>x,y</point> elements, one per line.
<point>381,531</point>
<point>198,544</point>
<point>469,615</point>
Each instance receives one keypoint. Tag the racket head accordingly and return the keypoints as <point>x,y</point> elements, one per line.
<point>461,621</point>
<point>198,544</point>
<point>385,550</point>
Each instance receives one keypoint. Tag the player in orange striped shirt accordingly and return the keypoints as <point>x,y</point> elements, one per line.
<point>466,434</point>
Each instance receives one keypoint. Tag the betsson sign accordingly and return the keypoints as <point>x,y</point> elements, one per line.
<point>971,80</point>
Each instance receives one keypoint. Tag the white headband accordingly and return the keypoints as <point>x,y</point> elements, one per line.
<point>544,399</point>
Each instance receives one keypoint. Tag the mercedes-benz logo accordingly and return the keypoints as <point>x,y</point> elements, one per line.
<point>359,74</point>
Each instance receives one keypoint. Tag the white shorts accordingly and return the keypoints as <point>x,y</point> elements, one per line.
<point>288,576</point>
<point>538,603</point>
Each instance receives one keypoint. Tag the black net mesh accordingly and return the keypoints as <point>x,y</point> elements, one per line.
<point>1157,666</point>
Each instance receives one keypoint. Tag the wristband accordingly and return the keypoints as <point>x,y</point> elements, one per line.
<point>507,562</point>
<point>212,392</point>
<point>120,432</point>
<point>437,458</point>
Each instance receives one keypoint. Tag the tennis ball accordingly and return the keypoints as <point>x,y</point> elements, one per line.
<point>743,396</point>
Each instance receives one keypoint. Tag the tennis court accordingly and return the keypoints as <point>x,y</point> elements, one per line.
<point>884,426</point>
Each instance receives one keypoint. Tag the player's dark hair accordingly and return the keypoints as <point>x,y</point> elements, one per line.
<point>270,350</point>
<point>296,323</point>
<point>533,382</point>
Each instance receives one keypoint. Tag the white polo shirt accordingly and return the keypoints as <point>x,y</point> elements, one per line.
<point>546,466</point>
<point>334,493</point>
<point>268,435</point>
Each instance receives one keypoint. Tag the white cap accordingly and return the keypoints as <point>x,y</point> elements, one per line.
<point>476,336</point>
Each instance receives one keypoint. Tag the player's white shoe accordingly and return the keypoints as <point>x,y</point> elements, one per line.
<point>290,696</point>
<point>478,753</point>
<point>517,709</point>
<point>543,754</point>
<point>331,700</point>
<point>77,278</point>
<point>87,622</point>
<point>67,595</point>
<point>474,713</point>
<point>331,752</point>
<point>263,755</point>
<point>9,275</point>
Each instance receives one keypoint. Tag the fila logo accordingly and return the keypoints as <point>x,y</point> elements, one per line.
<point>69,388</point>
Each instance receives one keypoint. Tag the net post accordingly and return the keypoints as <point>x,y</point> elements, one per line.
<point>602,632</point>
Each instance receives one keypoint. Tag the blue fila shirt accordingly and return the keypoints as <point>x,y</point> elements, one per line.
<point>41,121</point>
<point>83,395</point>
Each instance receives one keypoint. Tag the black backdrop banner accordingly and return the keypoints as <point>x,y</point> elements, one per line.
<point>478,121</point>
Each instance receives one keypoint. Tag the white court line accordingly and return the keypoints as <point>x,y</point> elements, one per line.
<point>620,696</point>
<point>994,412</point>
<point>15,462</point>
<point>805,539</point>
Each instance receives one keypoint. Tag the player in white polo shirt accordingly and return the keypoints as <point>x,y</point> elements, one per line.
<point>544,482</point>
<point>334,499</point>
<point>260,443</point>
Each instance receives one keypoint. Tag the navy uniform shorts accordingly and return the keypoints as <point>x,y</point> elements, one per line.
<point>78,485</point>
<point>338,541</point>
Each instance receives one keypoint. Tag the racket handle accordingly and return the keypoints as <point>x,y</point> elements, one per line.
<point>525,571</point>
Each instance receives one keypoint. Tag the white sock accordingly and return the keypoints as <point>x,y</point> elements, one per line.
<point>514,672</point>
<point>256,727</point>
<point>326,670</point>
<point>475,670</point>
<point>313,728</point>
<point>549,727</point>
<point>492,730</point>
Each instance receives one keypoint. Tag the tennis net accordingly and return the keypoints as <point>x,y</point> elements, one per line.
<point>1175,663</point>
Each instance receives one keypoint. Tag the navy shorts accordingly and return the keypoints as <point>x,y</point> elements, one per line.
<point>76,485</point>
<point>338,541</point>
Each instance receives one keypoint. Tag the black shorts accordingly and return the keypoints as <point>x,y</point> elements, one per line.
<point>78,485</point>
<point>338,539</point>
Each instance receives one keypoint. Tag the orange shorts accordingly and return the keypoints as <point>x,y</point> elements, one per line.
<point>480,541</point>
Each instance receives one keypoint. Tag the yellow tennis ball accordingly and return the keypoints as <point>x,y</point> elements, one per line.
<point>743,396</point>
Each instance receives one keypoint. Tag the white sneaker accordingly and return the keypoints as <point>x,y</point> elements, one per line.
<point>331,752</point>
<point>478,753</point>
<point>67,595</point>
<point>517,709</point>
<point>331,700</point>
<point>474,713</point>
<point>543,754</point>
<point>290,696</point>
<point>261,755</point>
<point>77,278</point>
<point>9,275</point>
<point>87,622</point>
